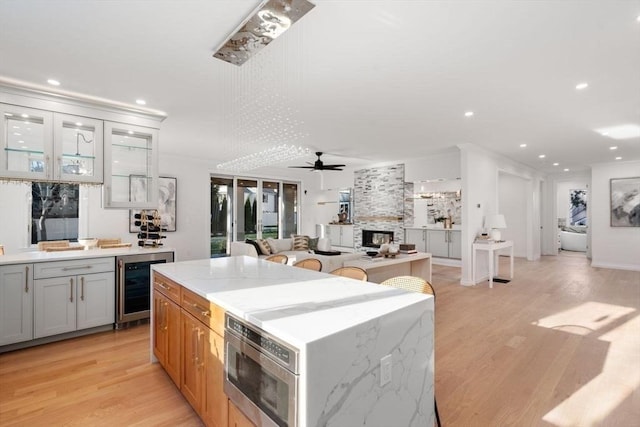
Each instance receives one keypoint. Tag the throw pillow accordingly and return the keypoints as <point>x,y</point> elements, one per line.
<point>255,245</point>
<point>313,243</point>
<point>300,243</point>
<point>265,249</point>
<point>279,245</point>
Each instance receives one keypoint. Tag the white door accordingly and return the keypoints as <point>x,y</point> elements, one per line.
<point>54,306</point>
<point>16,303</point>
<point>96,300</point>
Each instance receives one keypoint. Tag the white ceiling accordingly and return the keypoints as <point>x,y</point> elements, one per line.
<point>369,80</point>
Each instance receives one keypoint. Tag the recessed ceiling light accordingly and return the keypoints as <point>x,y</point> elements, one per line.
<point>8,114</point>
<point>618,158</point>
<point>582,85</point>
<point>53,82</point>
<point>24,116</point>
<point>523,145</point>
<point>638,18</point>
<point>613,148</point>
<point>78,124</point>
<point>566,169</point>
<point>17,134</point>
<point>21,142</point>
<point>556,164</point>
<point>468,114</point>
<point>542,156</point>
<point>141,102</point>
<point>130,132</point>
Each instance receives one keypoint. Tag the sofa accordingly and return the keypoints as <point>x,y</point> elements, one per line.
<point>286,247</point>
<point>573,238</point>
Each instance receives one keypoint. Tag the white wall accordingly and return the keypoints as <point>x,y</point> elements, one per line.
<point>480,183</point>
<point>512,202</point>
<point>612,247</point>
<point>443,165</point>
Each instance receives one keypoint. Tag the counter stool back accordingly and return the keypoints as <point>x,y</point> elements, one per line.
<point>415,284</point>
<point>278,258</point>
<point>309,263</point>
<point>352,272</point>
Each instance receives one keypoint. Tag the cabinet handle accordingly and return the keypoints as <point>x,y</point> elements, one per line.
<point>108,187</point>
<point>194,342</point>
<point>164,316</point>
<point>71,290</point>
<point>82,267</point>
<point>163,286</point>
<point>82,288</point>
<point>46,166</point>
<point>26,279</point>
<point>60,164</point>
<point>203,311</point>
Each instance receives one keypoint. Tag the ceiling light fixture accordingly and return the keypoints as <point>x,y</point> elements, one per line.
<point>613,148</point>
<point>53,82</point>
<point>268,21</point>
<point>468,114</point>
<point>523,145</point>
<point>618,158</point>
<point>627,131</point>
<point>566,169</point>
<point>581,86</point>
<point>273,155</point>
<point>141,102</point>
<point>542,156</point>
<point>556,164</point>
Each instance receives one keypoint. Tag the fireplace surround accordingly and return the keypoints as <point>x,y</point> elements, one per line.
<point>375,238</point>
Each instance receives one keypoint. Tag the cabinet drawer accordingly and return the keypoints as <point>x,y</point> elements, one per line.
<point>46,270</point>
<point>167,287</point>
<point>204,310</point>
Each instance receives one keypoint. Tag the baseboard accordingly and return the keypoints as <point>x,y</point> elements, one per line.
<point>613,266</point>
<point>450,262</point>
<point>54,338</point>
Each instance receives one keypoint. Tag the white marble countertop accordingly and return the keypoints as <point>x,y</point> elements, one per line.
<point>42,256</point>
<point>297,305</point>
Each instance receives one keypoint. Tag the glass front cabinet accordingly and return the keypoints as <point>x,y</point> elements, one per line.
<point>42,145</point>
<point>131,166</point>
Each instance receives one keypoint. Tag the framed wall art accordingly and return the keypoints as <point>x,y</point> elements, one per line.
<point>167,197</point>
<point>625,202</point>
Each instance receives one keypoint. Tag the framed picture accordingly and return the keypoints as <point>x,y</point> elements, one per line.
<point>167,194</point>
<point>625,202</point>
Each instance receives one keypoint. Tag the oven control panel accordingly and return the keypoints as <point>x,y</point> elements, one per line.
<point>263,341</point>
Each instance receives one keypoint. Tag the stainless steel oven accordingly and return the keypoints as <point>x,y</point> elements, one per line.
<point>133,287</point>
<point>261,374</point>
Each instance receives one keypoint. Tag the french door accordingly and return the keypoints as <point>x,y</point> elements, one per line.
<point>251,208</point>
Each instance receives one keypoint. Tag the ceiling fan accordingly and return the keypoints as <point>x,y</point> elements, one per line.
<point>318,165</point>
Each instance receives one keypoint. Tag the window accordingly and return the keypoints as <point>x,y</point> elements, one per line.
<point>54,211</point>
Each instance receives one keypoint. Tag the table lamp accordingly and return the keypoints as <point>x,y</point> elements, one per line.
<point>495,222</point>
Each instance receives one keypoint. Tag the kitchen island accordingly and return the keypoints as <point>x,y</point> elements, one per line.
<point>342,329</point>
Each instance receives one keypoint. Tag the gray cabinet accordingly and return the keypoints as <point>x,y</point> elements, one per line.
<point>73,295</point>
<point>440,243</point>
<point>418,237</point>
<point>16,303</point>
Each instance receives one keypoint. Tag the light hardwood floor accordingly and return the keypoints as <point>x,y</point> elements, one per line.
<point>558,346</point>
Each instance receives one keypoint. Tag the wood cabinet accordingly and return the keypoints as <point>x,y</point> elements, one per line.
<point>16,303</point>
<point>237,418</point>
<point>65,302</point>
<point>340,235</point>
<point>196,340</point>
<point>48,146</point>
<point>167,328</point>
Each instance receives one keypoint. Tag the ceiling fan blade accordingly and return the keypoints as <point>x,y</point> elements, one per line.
<point>303,167</point>
<point>334,166</point>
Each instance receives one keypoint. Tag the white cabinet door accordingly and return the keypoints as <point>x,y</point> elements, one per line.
<point>78,148</point>
<point>417,237</point>
<point>333,233</point>
<point>455,244</point>
<point>130,166</point>
<point>16,303</point>
<point>96,300</point>
<point>437,243</point>
<point>346,239</point>
<point>26,143</point>
<point>54,306</point>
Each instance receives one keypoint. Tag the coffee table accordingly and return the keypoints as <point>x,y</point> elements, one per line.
<point>381,269</point>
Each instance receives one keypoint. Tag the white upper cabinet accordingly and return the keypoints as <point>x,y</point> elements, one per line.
<point>26,138</point>
<point>131,166</point>
<point>78,148</point>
